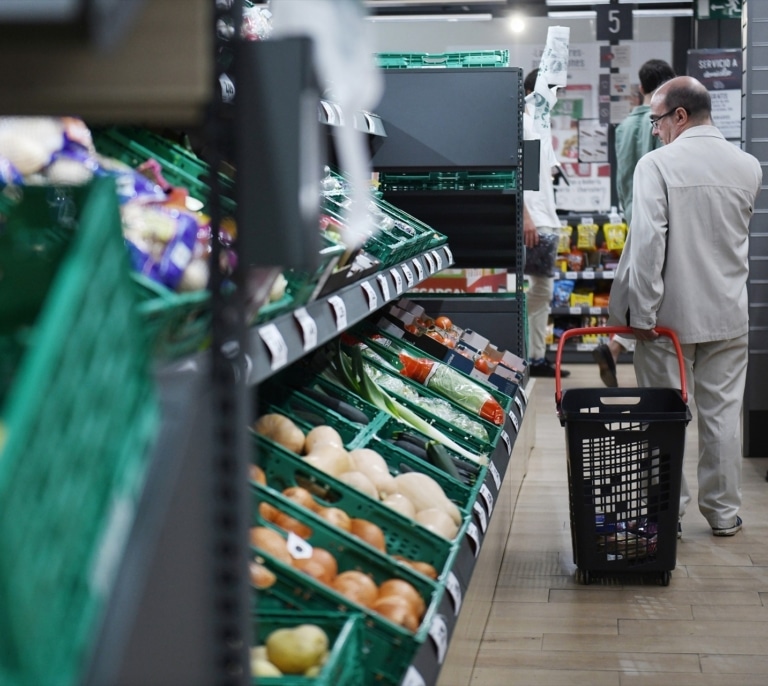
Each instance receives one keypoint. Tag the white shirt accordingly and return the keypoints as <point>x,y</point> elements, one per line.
<point>541,203</point>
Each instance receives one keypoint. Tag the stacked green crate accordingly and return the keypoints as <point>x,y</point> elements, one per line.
<point>77,420</point>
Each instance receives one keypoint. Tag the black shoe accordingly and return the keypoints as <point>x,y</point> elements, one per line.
<point>544,368</point>
<point>604,359</point>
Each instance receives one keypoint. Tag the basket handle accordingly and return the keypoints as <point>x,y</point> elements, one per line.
<point>661,330</point>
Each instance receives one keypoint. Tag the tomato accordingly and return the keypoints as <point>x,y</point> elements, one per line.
<point>412,328</point>
<point>443,322</point>
<point>481,364</point>
<point>434,334</point>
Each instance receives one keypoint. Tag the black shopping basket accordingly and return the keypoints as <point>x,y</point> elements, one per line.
<point>624,449</point>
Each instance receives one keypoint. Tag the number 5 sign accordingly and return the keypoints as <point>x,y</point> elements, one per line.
<point>614,22</point>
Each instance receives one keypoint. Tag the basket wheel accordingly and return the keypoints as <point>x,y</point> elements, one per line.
<point>665,577</point>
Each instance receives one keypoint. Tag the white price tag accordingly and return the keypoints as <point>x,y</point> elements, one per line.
<point>398,279</point>
<point>438,632</point>
<point>588,275</point>
<point>430,262</point>
<point>485,492</point>
<point>473,535</point>
<point>370,294</point>
<point>523,393</point>
<point>408,274</point>
<point>507,442</point>
<point>298,548</point>
<point>275,342</point>
<point>384,285</point>
<point>339,114</point>
<point>330,112</point>
<point>308,328</point>
<point>477,508</point>
<point>339,308</point>
<point>519,404</point>
<point>419,269</point>
<point>609,275</point>
<point>413,678</point>
<point>515,423</point>
<point>495,474</point>
<point>453,589</point>
<point>448,254</point>
<point>595,310</point>
<point>574,310</point>
<point>438,259</point>
<point>571,275</point>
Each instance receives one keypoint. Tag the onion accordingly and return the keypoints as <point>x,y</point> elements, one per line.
<point>257,475</point>
<point>322,435</point>
<point>369,532</point>
<point>301,496</point>
<point>397,610</point>
<point>336,517</point>
<point>403,589</point>
<point>422,567</point>
<point>261,577</point>
<point>270,542</point>
<point>285,521</point>
<point>321,566</point>
<point>356,586</point>
<point>268,512</point>
<point>281,430</point>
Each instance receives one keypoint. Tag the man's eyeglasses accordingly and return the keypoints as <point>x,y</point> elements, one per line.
<point>655,121</point>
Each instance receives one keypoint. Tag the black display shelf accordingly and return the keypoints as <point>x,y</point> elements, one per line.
<point>587,275</point>
<point>287,338</point>
<point>578,310</point>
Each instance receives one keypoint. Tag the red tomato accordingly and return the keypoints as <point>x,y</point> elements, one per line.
<point>481,364</point>
<point>443,322</point>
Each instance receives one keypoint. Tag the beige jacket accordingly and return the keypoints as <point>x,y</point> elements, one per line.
<point>686,261</point>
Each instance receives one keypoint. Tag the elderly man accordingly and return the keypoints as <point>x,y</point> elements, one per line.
<point>685,266</point>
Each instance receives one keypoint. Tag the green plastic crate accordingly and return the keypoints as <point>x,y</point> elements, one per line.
<point>177,324</point>
<point>134,146</point>
<point>78,422</point>
<point>344,662</point>
<point>403,536</point>
<point>448,181</point>
<point>389,647</point>
<point>411,60</point>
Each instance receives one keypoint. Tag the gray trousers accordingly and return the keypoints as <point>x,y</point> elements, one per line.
<point>715,373</point>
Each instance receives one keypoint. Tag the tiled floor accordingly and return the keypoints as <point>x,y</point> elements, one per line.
<point>709,626</point>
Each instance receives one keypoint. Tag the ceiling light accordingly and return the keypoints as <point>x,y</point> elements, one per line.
<point>431,17</point>
<point>516,23</point>
<point>575,14</point>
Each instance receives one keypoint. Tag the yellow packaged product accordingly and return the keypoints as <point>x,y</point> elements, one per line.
<point>586,236</point>
<point>615,236</point>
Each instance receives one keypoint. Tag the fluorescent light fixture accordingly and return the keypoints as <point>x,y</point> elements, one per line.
<point>647,14</point>
<point>574,14</point>
<point>403,4</point>
<point>671,12</point>
<point>570,3</point>
<point>431,17</point>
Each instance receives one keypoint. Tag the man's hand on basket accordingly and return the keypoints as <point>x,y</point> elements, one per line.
<point>645,334</point>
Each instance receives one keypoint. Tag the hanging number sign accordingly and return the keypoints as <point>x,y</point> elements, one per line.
<point>614,22</point>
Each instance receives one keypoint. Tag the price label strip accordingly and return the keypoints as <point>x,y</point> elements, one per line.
<point>495,474</point>
<point>384,285</point>
<point>408,274</point>
<point>339,308</point>
<point>519,404</point>
<point>419,269</point>
<point>278,350</point>
<point>523,393</point>
<point>453,588</point>
<point>487,496</point>
<point>398,279</point>
<point>448,254</point>
<point>515,423</point>
<point>438,632</point>
<point>477,508</point>
<point>308,328</point>
<point>438,260</point>
<point>474,537</point>
<point>370,294</point>
<point>507,441</point>
<point>430,262</point>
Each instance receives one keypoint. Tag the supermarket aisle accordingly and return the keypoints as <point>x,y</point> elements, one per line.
<point>709,626</point>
